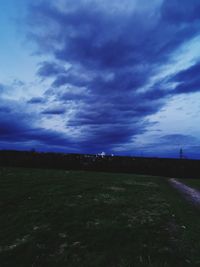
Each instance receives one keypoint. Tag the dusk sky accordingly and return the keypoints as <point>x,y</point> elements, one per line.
<point>87,76</point>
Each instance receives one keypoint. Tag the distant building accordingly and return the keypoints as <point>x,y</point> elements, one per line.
<point>102,154</point>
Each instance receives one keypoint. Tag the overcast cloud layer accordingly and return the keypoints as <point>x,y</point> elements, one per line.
<point>104,69</point>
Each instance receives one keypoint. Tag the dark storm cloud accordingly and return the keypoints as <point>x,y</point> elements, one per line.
<point>48,137</point>
<point>189,87</point>
<point>61,80</point>
<point>69,79</point>
<point>100,39</point>
<point>48,69</point>
<point>188,80</point>
<point>97,39</point>
<point>72,96</point>
<point>20,128</point>
<point>54,111</point>
<point>36,100</point>
<point>112,53</point>
<point>10,129</point>
<point>4,109</point>
<point>17,128</point>
<point>189,74</point>
<point>186,12</point>
<point>14,125</point>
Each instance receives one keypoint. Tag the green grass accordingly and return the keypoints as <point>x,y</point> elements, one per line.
<point>84,219</point>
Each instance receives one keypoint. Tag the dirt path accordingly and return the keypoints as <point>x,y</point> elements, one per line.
<point>190,193</point>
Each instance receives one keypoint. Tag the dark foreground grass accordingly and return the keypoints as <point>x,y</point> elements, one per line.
<point>80,219</point>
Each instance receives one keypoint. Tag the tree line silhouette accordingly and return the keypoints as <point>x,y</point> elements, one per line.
<point>182,168</point>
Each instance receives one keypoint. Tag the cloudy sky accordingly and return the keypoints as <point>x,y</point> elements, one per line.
<point>88,76</point>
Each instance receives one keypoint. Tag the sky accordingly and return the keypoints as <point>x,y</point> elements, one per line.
<point>92,76</point>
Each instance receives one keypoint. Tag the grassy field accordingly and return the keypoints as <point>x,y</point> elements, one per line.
<point>81,219</point>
